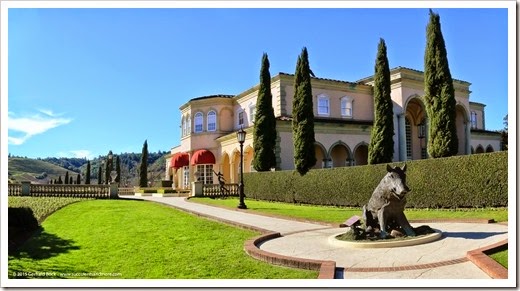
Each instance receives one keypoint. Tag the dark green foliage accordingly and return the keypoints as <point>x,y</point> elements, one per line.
<point>264,133</point>
<point>66,180</point>
<point>118,170</point>
<point>503,135</point>
<point>87,175</point>
<point>100,175</point>
<point>78,179</point>
<point>109,166</point>
<point>439,93</point>
<point>21,218</point>
<point>59,180</point>
<point>303,116</point>
<point>143,167</point>
<point>71,180</point>
<point>381,147</point>
<point>460,181</point>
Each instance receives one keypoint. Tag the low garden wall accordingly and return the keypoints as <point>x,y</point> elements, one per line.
<point>62,190</point>
<point>478,180</point>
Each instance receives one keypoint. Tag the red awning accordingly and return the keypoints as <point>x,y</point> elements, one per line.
<point>179,160</point>
<point>202,157</point>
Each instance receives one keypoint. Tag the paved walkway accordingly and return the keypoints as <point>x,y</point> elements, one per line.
<point>441,259</point>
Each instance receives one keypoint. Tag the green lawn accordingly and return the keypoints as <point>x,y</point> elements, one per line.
<point>42,206</point>
<point>340,214</point>
<point>500,257</point>
<point>137,239</point>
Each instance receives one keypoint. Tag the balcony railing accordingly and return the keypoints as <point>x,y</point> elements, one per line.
<point>62,190</point>
<point>215,190</point>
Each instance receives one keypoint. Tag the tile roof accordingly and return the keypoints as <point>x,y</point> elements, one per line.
<point>325,79</point>
<point>213,96</point>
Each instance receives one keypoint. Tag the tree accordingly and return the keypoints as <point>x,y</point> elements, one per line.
<point>78,179</point>
<point>118,170</point>
<point>109,166</point>
<point>143,167</point>
<point>87,175</point>
<point>381,147</point>
<point>59,180</point>
<point>100,175</point>
<point>264,132</point>
<point>71,180</point>
<point>66,180</point>
<point>503,134</point>
<point>439,93</point>
<point>303,116</point>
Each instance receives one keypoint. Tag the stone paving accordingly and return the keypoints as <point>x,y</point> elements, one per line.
<point>441,259</point>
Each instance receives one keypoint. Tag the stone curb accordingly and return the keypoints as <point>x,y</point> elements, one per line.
<point>327,269</point>
<point>487,264</point>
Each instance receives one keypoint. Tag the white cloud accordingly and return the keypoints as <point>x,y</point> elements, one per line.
<point>76,154</point>
<point>29,126</point>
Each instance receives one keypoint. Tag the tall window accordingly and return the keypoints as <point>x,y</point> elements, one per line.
<point>186,177</point>
<point>184,127</point>
<point>323,105</point>
<point>188,121</point>
<point>205,173</point>
<point>199,119</point>
<point>473,119</point>
<point>212,121</point>
<point>346,106</point>
<point>241,118</point>
<point>252,112</point>
<point>408,131</point>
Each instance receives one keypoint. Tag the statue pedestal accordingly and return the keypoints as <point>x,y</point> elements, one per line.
<point>196,188</point>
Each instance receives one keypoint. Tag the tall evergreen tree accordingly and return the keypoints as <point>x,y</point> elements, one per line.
<point>87,174</point>
<point>71,180</point>
<point>109,166</point>
<point>59,180</point>
<point>303,116</point>
<point>78,179</point>
<point>143,167</point>
<point>66,180</point>
<point>100,175</point>
<point>264,132</point>
<point>439,93</point>
<point>118,170</point>
<point>381,147</point>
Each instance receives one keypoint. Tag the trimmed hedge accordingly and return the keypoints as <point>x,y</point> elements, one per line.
<point>478,180</point>
<point>22,218</point>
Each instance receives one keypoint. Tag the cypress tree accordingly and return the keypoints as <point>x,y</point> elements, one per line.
<point>439,93</point>
<point>100,175</point>
<point>143,167</point>
<point>59,180</point>
<point>66,180</point>
<point>303,116</point>
<point>108,167</point>
<point>264,132</point>
<point>71,180</point>
<point>381,147</point>
<point>78,179</point>
<point>118,170</point>
<point>87,175</point>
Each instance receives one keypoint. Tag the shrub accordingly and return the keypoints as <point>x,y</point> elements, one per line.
<point>454,182</point>
<point>21,218</point>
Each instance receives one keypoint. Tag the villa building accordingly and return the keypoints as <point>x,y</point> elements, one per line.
<point>344,113</point>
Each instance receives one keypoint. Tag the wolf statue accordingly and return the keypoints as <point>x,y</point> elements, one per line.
<point>385,209</point>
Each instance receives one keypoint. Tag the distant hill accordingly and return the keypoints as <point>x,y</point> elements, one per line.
<point>41,171</point>
<point>36,171</point>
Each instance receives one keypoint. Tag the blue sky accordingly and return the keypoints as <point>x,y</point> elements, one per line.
<point>84,81</point>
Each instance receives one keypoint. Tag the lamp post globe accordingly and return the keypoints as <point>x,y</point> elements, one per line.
<point>241,137</point>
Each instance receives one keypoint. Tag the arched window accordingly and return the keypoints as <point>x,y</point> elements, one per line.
<point>346,106</point>
<point>188,127</point>
<point>323,105</point>
<point>473,119</point>
<point>183,127</point>
<point>240,115</point>
<point>199,120</point>
<point>212,121</point>
<point>252,112</point>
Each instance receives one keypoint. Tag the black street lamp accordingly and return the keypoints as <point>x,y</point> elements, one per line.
<point>241,137</point>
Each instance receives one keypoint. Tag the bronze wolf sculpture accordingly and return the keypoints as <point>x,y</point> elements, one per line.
<point>385,209</point>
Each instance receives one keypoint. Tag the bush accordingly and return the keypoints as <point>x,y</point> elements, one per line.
<point>21,218</point>
<point>454,182</point>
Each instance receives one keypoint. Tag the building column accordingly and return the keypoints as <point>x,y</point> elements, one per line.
<point>468,138</point>
<point>401,132</point>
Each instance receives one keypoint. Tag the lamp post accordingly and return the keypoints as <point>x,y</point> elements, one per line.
<point>241,137</point>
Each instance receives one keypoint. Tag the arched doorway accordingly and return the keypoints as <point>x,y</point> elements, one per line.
<point>489,149</point>
<point>235,168</point>
<point>340,155</point>
<point>479,150</point>
<point>416,129</point>
<point>226,167</point>
<point>320,154</point>
<point>248,159</point>
<point>461,122</point>
<point>361,154</point>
